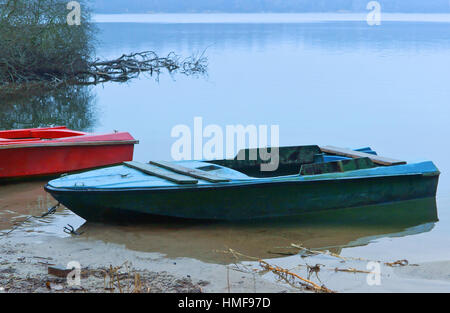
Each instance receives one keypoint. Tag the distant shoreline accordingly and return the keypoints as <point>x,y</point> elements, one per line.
<point>266,18</point>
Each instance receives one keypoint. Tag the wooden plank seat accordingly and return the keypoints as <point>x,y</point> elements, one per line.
<point>161,173</point>
<point>357,154</point>
<point>190,172</point>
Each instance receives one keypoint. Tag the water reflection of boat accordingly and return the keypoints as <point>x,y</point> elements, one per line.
<point>266,239</point>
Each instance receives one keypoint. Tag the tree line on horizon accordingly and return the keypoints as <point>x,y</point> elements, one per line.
<point>247,6</point>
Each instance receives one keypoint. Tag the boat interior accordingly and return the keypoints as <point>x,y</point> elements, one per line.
<point>303,160</point>
<point>307,161</point>
<point>248,163</point>
<point>37,134</point>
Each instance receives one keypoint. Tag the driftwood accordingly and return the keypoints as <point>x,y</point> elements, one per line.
<point>130,66</point>
<point>122,69</point>
<point>351,270</point>
<point>291,278</point>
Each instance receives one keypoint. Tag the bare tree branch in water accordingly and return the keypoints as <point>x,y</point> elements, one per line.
<point>130,66</point>
<point>127,67</point>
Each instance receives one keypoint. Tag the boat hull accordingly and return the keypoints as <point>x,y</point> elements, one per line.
<point>245,201</point>
<point>36,152</point>
<point>47,161</point>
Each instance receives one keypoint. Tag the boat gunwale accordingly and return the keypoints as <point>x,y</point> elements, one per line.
<point>232,184</point>
<point>68,144</point>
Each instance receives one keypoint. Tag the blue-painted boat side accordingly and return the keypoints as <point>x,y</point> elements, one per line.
<point>120,191</point>
<point>124,177</point>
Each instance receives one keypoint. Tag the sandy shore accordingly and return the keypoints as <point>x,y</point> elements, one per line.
<point>24,268</point>
<point>108,267</point>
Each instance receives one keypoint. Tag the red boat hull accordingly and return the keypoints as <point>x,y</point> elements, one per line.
<point>24,157</point>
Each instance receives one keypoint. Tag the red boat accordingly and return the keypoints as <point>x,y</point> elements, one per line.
<point>55,150</point>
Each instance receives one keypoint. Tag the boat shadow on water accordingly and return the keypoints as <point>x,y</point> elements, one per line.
<point>267,238</point>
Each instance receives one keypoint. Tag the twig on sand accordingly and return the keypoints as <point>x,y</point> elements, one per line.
<point>403,262</point>
<point>114,276</point>
<point>350,270</point>
<point>315,252</point>
<point>314,270</point>
<point>286,275</point>
<point>282,253</point>
<point>137,283</point>
<point>228,279</point>
<point>397,263</point>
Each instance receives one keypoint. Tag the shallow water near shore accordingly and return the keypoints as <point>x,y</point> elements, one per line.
<point>409,229</point>
<point>340,83</point>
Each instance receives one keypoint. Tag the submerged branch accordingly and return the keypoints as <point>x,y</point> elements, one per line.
<point>130,66</point>
<point>122,69</point>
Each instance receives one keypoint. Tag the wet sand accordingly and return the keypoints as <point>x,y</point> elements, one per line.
<point>23,268</point>
<point>24,264</point>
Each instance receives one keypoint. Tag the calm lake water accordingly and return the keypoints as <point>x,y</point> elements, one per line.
<point>340,83</point>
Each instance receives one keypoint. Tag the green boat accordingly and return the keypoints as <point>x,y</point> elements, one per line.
<point>307,179</point>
